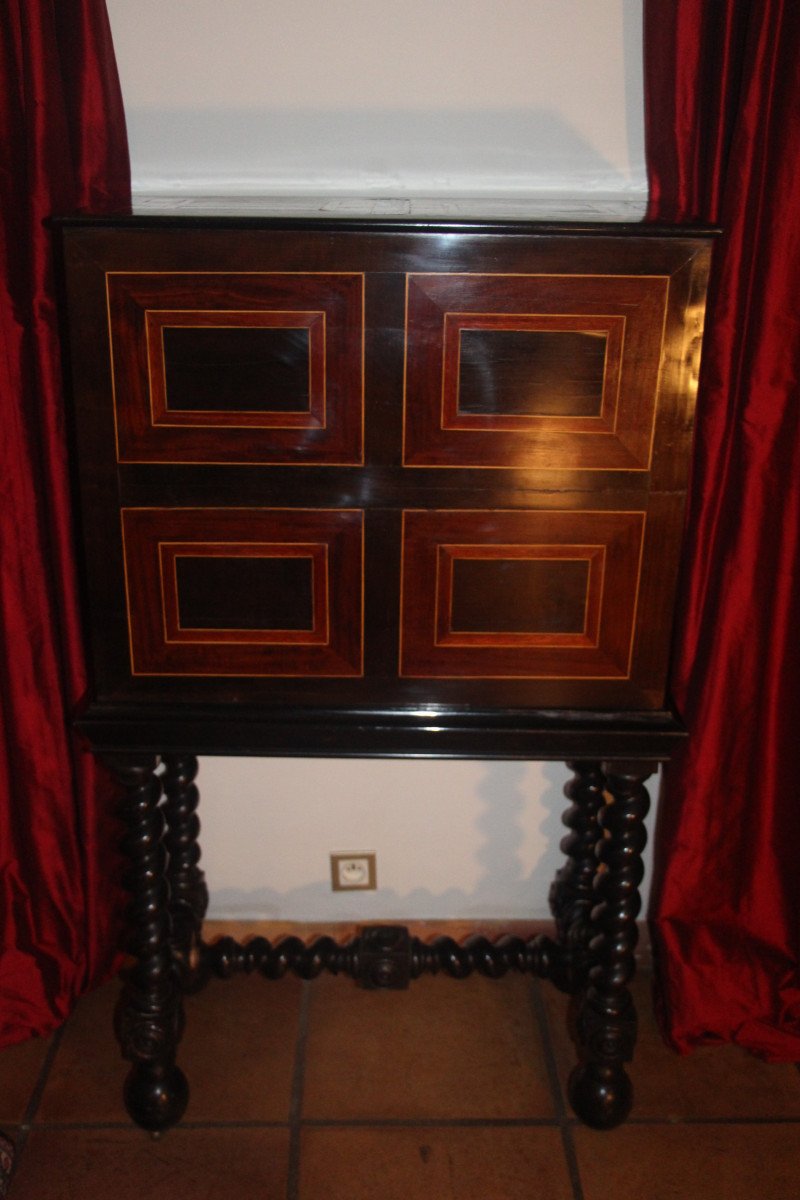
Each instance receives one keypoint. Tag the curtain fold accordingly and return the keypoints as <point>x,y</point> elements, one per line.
<point>722,131</point>
<point>63,130</point>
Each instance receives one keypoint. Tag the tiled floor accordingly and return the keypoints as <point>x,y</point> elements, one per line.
<point>323,1091</point>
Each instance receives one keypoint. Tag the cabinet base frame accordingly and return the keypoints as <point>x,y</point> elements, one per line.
<point>594,899</point>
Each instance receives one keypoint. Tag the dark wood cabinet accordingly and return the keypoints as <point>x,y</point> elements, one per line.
<point>385,488</point>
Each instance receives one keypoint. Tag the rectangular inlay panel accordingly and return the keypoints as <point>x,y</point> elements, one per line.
<point>237,368</point>
<point>299,612</point>
<point>573,575</point>
<point>585,399</point>
<point>250,368</point>
<point>268,589</point>
<point>531,372</point>
<point>508,593</point>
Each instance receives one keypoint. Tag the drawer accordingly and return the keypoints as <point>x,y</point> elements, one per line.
<point>533,372</point>
<point>263,367</point>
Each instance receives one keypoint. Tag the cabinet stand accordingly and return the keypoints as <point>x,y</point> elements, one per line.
<point>594,899</point>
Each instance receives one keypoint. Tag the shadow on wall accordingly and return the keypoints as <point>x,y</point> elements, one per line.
<point>498,855</point>
<point>502,888</point>
<point>518,150</point>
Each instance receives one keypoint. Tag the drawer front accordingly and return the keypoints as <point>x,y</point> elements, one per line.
<point>263,367</point>
<point>547,594</point>
<point>244,592</point>
<point>382,469</point>
<point>533,371</point>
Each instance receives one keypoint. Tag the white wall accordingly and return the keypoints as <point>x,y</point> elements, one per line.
<point>538,100</point>
<point>431,97</point>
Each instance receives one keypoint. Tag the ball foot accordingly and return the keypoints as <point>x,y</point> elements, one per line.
<point>156,1096</point>
<point>602,1096</point>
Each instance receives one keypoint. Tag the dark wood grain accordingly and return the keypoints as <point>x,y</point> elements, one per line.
<point>149,1017</point>
<point>150,313</point>
<point>586,287</point>
<point>236,368</point>
<point>531,372</point>
<point>519,595</point>
<point>600,1089</point>
<point>323,550</point>
<point>626,311</point>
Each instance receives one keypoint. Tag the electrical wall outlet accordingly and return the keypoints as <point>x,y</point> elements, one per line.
<point>353,872</point>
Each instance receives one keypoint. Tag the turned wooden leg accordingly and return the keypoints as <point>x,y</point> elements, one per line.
<point>149,1017</point>
<point>599,1088</point>
<point>571,894</point>
<point>187,887</point>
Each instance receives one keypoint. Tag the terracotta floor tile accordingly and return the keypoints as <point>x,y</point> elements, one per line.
<point>714,1081</point>
<point>20,1068</point>
<point>85,1080</point>
<point>690,1162</point>
<point>444,1048</point>
<point>117,1164</point>
<point>237,1051</point>
<point>436,1162</point>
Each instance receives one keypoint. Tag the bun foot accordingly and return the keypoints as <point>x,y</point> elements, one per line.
<point>602,1096</point>
<point>156,1096</point>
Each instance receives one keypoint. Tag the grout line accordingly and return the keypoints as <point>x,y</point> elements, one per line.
<point>428,1122</point>
<point>564,1121</point>
<point>296,1102</point>
<point>672,1121</point>
<point>403,1123</point>
<point>38,1088</point>
<point>24,1126</point>
<point>407,1122</point>
<point>132,1127</point>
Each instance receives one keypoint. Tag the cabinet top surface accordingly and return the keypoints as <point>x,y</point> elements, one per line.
<point>357,213</point>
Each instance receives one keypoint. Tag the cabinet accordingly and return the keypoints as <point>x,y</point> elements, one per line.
<point>382,488</point>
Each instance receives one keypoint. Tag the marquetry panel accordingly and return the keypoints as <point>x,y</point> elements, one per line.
<point>493,421</point>
<point>248,592</point>
<point>532,371</point>
<point>253,368</point>
<point>519,594</point>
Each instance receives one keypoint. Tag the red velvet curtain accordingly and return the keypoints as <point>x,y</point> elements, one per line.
<point>63,133</point>
<point>723,139</point>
